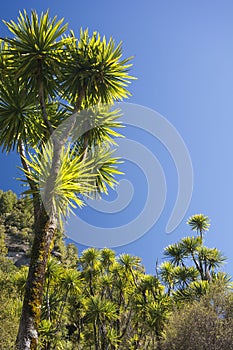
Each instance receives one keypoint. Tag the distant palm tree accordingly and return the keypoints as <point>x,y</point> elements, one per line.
<point>176,253</point>
<point>102,313</point>
<point>167,273</point>
<point>185,275</point>
<point>108,259</point>
<point>90,268</point>
<point>178,274</point>
<point>210,259</point>
<point>199,223</point>
<point>132,265</point>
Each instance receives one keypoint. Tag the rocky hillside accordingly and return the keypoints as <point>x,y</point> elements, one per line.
<point>16,227</point>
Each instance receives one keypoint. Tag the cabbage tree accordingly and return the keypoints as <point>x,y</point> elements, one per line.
<point>47,77</point>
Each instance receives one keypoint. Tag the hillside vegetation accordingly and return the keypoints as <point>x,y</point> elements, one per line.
<point>98,300</point>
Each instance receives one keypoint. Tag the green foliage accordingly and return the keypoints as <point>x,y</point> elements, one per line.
<point>34,48</point>
<point>45,77</point>
<point>16,226</point>
<point>10,304</point>
<point>19,116</point>
<point>204,324</point>
<point>74,179</point>
<point>199,223</point>
<point>7,201</point>
<point>38,65</point>
<point>3,248</point>
<point>106,303</point>
<point>191,265</point>
<point>97,301</point>
<point>100,300</point>
<point>96,65</point>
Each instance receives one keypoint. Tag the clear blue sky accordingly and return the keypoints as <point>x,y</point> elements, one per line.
<point>184,64</point>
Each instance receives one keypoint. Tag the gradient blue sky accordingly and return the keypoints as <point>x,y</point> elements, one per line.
<point>184,64</point>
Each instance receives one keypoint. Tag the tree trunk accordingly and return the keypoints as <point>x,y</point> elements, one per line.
<point>27,338</point>
<point>45,227</point>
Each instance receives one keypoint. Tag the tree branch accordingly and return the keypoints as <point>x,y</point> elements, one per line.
<point>42,98</point>
<point>32,184</point>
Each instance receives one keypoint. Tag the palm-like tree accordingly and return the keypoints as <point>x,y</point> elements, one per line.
<point>176,253</point>
<point>185,275</point>
<point>96,68</point>
<point>35,51</point>
<point>150,285</point>
<point>199,223</point>
<point>222,281</point>
<point>53,273</point>
<point>131,265</point>
<point>210,259</point>
<point>101,312</point>
<point>190,262</point>
<point>90,267</point>
<point>108,258</point>
<point>158,313</point>
<point>190,246</point>
<point>195,291</point>
<point>37,67</point>
<point>167,273</point>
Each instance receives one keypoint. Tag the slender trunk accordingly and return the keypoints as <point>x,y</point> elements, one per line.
<point>201,234</point>
<point>134,279</point>
<point>198,266</point>
<point>158,340</point>
<point>103,332</point>
<point>91,284</point>
<point>95,336</point>
<point>45,227</point>
<point>59,320</point>
<point>205,269</point>
<point>61,311</point>
<point>28,329</point>
<point>169,288</point>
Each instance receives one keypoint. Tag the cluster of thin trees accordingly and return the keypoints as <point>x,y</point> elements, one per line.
<point>102,301</point>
